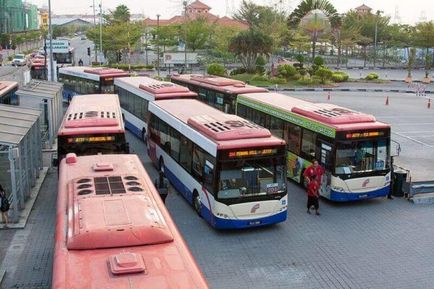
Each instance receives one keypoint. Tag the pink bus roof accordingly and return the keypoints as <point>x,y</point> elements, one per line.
<point>6,86</point>
<point>218,83</point>
<point>106,72</point>
<point>113,230</point>
<point>159,89</point>
<point>330,114</point>
<point>92,114</point>
<point>227,130</point>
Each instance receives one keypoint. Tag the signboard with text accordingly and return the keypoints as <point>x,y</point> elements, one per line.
<point>59,46</point>
<point>179,58</point>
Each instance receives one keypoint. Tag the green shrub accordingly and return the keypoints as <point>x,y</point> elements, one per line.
<point>286,71</point>
<point>305,81</point>
<point>324,74</point>
<point>260,64</point>
<point>278,80</point>
<point>371,76</point>
<point>339,76</point>
<point>258,77</point>
<point>300,58</point>
<point>318,61</point>
<point>158,77</point>
<point>216,69</point>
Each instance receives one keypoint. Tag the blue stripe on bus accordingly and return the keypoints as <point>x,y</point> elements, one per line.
<point>132,128</point>
<point>217,222</point>
<point>347,197</point>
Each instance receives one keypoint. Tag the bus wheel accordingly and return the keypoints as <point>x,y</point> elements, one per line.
<point>196,202</point>
<point>160,164</point>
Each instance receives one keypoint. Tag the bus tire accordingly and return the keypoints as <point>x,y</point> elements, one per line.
<point>196,202</point>
<point>160,164</point>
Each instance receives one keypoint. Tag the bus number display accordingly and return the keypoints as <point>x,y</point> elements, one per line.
<point>248,153</point>
<point>91,139</point>
<point>364,134</point>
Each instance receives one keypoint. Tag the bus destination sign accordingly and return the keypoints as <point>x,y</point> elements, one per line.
<point>90,139</point>
<point>249,153</point>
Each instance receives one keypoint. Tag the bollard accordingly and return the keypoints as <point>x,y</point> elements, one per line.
<point>328,95</point>
<point>429,103</point>
<point>387,100</point>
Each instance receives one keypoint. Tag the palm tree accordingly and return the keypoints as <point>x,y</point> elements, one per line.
<point>316,27</point>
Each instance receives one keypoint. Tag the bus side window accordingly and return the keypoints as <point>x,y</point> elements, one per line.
<point>198,163</point>
<point>293,138</point>
<point>308,144</point>
<point>185,153</point>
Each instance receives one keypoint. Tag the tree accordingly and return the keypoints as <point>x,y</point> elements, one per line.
<point>425,38</point>
<point>197,33</point>
<point>306,7</point>
<point>166,36</point>
<point>220,40</point>
<point>120,15</point>
<point>247,45</point>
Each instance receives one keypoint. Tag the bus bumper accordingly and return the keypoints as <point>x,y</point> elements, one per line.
<point>348,197</point>
<point>220,223</point>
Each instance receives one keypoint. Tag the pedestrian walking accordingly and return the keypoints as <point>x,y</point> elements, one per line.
<point>162,185</point>
<point>313,195</point>
<point>80,62</point>
<point>4,206</point>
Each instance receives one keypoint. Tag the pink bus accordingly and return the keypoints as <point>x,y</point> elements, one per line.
<point>217,91</point>
<point>92,124</point>
<point>231,170</point>
<point>113,230</point>
<point>7,92</point>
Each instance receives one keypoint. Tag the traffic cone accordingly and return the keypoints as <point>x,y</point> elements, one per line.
<point>387,100</point>
<point>429,103</point>
<point>328,95</point>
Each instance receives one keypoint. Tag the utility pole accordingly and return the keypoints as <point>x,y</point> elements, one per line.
<point>158,44</point>
<point>100,32</point>
<point>94,25</point>
<point>375,42</point>
<point>185,35</point>
<point>50,30</point>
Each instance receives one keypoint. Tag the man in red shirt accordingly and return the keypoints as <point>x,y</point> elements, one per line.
<point>313,170</point>
<point>313,195</point>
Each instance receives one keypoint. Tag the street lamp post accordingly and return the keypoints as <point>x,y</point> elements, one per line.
<point>158,44</point>
<point>185,35</point>
<point>94,25</point>
<point>375,43</point>
<point>100,32</point>
<point>50,30</point>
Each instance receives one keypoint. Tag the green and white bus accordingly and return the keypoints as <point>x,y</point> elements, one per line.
<point>353,147</point>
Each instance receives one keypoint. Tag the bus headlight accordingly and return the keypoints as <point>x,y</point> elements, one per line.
<point>338,189</point>
<point>222,215</point>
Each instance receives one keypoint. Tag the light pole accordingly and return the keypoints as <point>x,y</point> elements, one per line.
<point>158,44</point>
<point>185,35</point>
<point>100,32</point>
<point>94,25</point>
<point>50,30</point>
<point>375,42</point>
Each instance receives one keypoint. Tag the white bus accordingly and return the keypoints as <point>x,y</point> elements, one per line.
<point>135,93</point>
<point>231,170</point>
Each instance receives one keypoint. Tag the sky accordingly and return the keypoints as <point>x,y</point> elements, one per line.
<point>409,11</point>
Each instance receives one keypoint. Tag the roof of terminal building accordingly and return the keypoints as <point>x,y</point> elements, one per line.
<point>15,123</point>
<point>40,88</point>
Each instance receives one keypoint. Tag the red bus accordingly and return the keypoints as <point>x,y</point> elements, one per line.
<point>38,69</point>
<point>231,170</point>
<point>113,230</point>
<point>7,92</point>
<point>219,92</point>
<point>88,80</point>
<point>92,124</point>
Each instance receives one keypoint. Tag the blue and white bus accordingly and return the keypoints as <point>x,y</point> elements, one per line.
<point>79,80</point>
<point>232,171</point>
<point>135,93</point>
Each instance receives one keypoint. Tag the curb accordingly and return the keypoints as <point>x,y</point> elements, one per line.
<point>2,276</point>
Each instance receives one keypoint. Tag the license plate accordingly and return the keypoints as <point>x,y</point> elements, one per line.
<point>254,223</point>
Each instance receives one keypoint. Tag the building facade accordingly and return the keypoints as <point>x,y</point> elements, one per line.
<point>17,16</point>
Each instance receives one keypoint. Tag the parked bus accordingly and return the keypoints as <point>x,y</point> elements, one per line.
<point>92,124</point>
<point>219,92</point>
<point>135,93</point>
<point>353,147</point>
<point>88,80</point>
<point>7,92</point>
<point>231,170</point>
<point>113,230</point>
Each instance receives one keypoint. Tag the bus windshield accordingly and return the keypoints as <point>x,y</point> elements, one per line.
<point>251,177</point>
<point>361,156</point>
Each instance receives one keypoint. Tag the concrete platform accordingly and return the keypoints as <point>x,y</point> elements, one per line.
<point>24,214</point>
